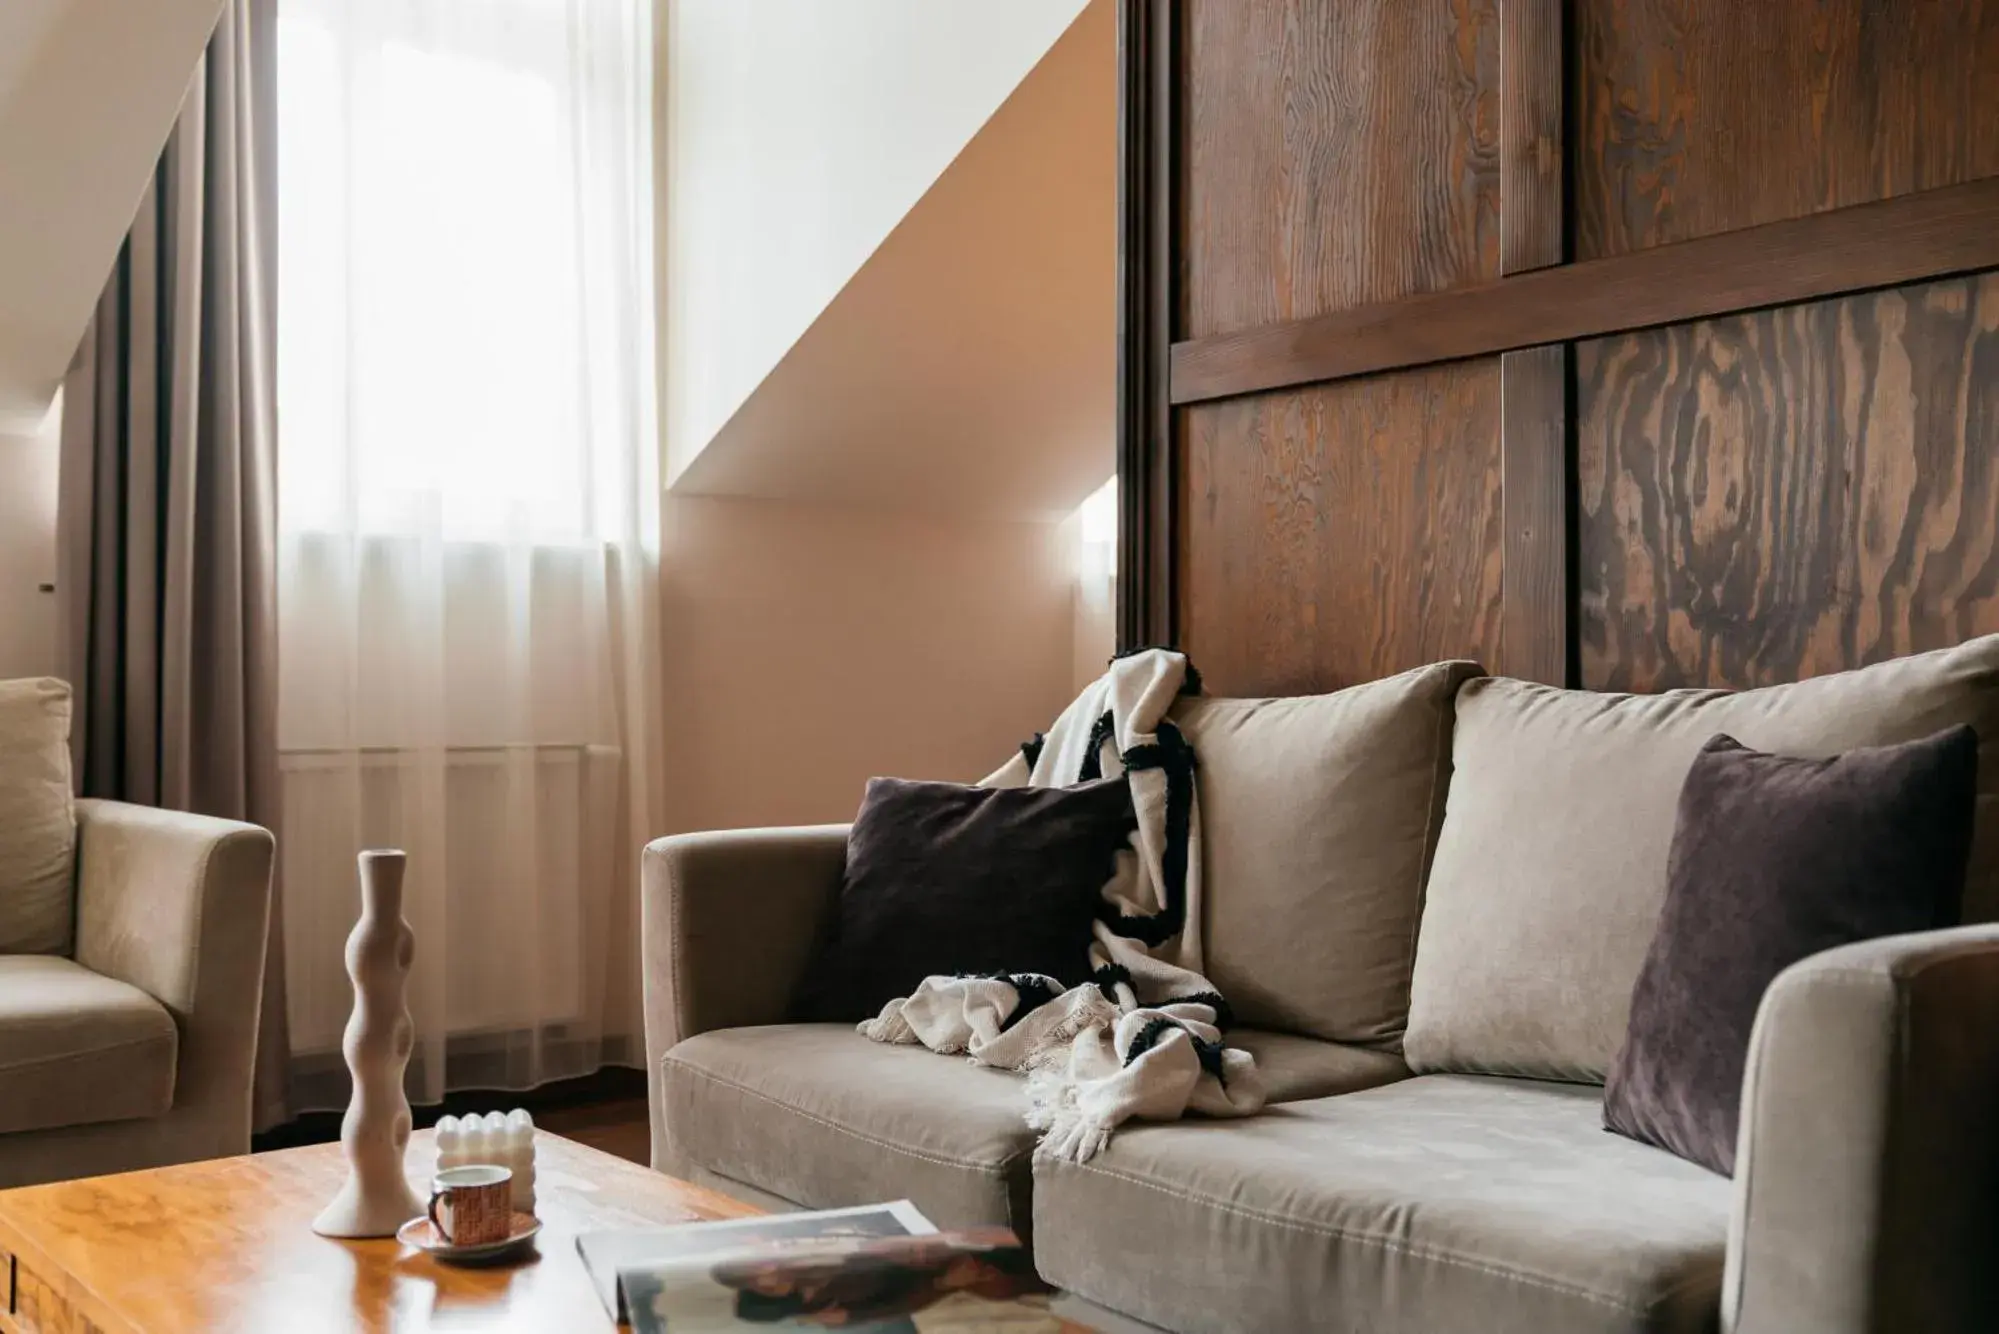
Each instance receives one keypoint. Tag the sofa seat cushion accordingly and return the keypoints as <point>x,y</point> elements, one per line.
<point>1438,1204</point>
<point>1319,815</point>
<point>819,1115</point>
<point>1295,1067</point>
<point>77,1047</point>
<point>1551,866</point>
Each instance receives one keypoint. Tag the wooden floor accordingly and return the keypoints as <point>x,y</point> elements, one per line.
<point>618,1127</point>
<point>606,1110</point>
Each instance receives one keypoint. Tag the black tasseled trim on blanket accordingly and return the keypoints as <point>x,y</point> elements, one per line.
<point>1107,977</point>
<point>1172,754</point>
<point>1224,1015</point>
<point>1101,733</point>
<point>1030,993</point>
<point>1209,1054</point>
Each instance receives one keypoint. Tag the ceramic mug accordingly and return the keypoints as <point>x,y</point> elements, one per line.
<point>472,1206</point>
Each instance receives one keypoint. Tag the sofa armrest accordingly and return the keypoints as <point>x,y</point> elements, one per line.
<point>177,905</point>
<point>727,922</point>
<point>1868,1164</point>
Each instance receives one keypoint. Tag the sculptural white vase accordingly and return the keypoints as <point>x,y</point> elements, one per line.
<point>377,1199</point>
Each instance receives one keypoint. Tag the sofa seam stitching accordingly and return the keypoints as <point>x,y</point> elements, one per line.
<point>9,1066</point>
<point>989,1169</point>
<point>1379,1241</point>
<point>679,998</point>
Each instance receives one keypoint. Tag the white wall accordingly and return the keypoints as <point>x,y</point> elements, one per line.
<point>1092,533</point>
<point>28,550</point>
<point>809,648</point>
<point>798,133</point>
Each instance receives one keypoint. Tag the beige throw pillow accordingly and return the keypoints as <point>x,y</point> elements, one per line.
<point>37,824</point>
<point>1551,868</point>
<point>1318,817</point>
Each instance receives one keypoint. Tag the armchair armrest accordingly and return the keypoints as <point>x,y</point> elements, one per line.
<point>177,905</point>
<point>1867,1175</point>
<point>727,922</point>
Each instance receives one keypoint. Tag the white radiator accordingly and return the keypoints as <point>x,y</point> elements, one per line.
<point>501,842</point>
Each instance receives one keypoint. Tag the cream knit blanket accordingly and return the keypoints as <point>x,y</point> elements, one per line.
<point>1143,1038</point>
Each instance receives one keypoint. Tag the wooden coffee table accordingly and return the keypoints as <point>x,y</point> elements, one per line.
<point>228,1245</point>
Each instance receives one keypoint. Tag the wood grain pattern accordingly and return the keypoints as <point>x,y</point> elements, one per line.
<point>1342,533</point>
<point>1951,230</point>
<point>1773,496</point>
<point>1534,453</point>
<point>228,1245</point>
<point>1701,116</point>
<point>1336,153</point>
<point>1532,222</point>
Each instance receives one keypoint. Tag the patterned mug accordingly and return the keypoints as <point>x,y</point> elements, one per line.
<point>472,1206</point>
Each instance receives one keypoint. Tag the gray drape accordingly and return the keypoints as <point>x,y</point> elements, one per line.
<point>168,519</point>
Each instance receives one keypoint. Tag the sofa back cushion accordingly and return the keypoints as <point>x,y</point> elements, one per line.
<point>1551,867</point>
<point>37,823</point>
<point>1318,819</point>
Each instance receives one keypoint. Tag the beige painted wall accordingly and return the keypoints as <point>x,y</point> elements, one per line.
<point>808,648</point>
<point>28,550</point>
<point>818,638</point>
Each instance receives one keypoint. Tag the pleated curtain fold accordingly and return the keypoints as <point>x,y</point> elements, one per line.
<point>168,513</point>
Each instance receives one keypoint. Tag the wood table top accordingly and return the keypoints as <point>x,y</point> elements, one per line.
<point>228,1245</point>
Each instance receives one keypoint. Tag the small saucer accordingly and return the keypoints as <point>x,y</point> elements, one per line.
<point>421,1234</point>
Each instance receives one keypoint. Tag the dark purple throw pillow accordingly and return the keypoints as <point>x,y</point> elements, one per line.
<point>948,879</point>
<point>1775,859</point>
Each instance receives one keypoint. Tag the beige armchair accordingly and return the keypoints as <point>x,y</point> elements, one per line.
<point>138,1050</point>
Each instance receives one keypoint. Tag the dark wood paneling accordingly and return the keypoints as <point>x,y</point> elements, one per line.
<point>1702,116</point>
<point>1344,532</point>
<point>1772,496</point>
<point>1534,438</point>
<point>1946,231</point>
<point>1531,206</point>
<point>1337,153</point>
<point>1147,80</point>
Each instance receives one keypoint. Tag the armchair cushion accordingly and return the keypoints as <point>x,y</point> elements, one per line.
<point>37,822</point>
<point>77,1047</point>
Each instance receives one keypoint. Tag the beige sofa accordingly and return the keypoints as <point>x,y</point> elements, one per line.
<point>128,1029</point>
<point>1427,900</point>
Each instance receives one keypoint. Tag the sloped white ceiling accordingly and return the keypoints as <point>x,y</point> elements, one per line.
<point>969,364</point>
<point>798,134</point>
<point>88,92</point>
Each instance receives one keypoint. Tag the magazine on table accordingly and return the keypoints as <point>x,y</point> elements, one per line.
<point>877,1268</point>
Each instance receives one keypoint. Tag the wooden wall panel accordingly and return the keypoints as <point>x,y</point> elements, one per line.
<point>1335,153</point>
<point>1532,226</point>
<point>1342,532</point>
<point>1772,496</point>
<point>1704,116</point>
<point>1534,452</point>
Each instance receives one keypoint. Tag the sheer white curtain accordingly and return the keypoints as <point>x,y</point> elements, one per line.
<point>468,518</point>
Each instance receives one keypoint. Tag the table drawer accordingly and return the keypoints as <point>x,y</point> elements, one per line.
<point>35,1307</point>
